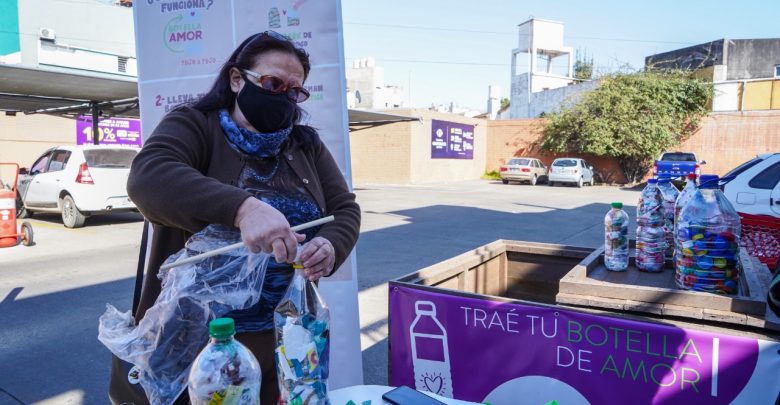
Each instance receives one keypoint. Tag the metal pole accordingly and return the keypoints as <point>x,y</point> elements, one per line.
<point>95,129</point>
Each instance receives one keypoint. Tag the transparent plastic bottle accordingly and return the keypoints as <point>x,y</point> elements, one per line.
<point>708,234</point>
<point>225,371</point>
<point>430,351</point>
<point>616,238</point>
<point>685,195</point>
<point>302,331</point>
<point>669,193</point>
<point>650,236</point>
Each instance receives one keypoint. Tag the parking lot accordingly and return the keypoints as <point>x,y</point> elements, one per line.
<point>51,294</point>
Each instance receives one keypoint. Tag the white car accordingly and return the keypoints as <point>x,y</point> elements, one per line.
<point>754,186</point>
<point>570,170</point>
<point>77,181</point>
<point>523,169</point>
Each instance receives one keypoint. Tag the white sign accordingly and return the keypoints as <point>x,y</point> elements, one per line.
<point>181,46</point>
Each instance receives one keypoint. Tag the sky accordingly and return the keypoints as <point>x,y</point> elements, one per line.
<point>452,50</point>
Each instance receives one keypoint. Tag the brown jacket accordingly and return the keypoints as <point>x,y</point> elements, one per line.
<point>186,177</point>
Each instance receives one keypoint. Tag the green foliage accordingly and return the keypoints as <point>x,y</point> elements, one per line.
<point>491,175</point>
<point>632,117</point>
<point>504,103</point>
<point>583,67</point>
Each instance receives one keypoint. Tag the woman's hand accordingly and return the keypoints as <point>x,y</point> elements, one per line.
<point>318,257</point>
<point>264,229</point>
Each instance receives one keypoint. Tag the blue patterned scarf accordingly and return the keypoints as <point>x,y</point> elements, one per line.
<point>260,144</point>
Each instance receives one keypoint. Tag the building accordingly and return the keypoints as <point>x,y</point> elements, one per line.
<point>366,87</point>
<point>539,63</point>
<point>60,57</point>
<point>744,72</point>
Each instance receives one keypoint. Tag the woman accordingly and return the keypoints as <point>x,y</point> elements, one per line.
<point>239,157</point>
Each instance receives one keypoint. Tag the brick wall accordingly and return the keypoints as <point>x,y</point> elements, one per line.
<point>381,154</point>
<point>25,137</point>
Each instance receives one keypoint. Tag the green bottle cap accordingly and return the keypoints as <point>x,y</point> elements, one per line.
<point>618,205</point>
<point>222,328</point>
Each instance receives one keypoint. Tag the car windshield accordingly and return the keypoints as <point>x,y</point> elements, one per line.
<point>679,157</point>
<point>520,162</point>
<point>565,163</point>
<point>110,158</point>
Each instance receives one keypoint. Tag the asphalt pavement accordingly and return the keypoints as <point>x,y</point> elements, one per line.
<point>52,293</point>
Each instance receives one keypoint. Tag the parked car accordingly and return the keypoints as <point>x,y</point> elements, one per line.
<point>523,169</point>
<point>754,186</point>
<point>77,182</point>
<point>677,165</point>
<point>570,170</point>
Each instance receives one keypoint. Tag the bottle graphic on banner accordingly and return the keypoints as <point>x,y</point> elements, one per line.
<point>430,352</point>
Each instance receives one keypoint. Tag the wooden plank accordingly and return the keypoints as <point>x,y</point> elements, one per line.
<point>642,306</point>
<point>724,316</point>
<point>683,311</point>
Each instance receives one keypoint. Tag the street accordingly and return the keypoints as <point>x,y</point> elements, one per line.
<point>51,294</point>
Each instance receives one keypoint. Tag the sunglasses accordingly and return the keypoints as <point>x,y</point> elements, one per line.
<point>296,94</point>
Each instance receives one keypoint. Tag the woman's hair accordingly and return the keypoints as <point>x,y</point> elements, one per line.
<point>244,57</point>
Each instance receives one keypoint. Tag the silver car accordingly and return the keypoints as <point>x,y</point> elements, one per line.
<point>570,170</point>
<point>523,169</point>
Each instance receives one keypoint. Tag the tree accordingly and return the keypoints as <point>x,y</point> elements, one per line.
<point>504,103</point>
<point>632,117</point>
<point>583,67</point>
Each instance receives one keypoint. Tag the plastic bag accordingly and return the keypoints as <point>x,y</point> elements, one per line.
<point>302,330</point>
<point>175,329</point>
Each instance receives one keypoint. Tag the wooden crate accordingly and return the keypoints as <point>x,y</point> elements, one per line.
<point>590,284</point>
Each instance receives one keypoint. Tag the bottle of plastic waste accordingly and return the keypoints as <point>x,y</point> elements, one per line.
<point>650,235</point>
<point>669,193</point>
<point>225,371</point>
<point>685,195</point>
<point>430,351</point>
<point>708,235</point>
<point>616,238</point>
<point>302,331</point>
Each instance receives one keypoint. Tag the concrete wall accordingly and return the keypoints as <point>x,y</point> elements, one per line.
<point>91,25</point>
<point>24,137</point>
<point>426,170</point>
<point>752,58</point>
<point>400,153</point>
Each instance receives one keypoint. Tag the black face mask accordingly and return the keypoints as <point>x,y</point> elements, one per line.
<point>266,111</point>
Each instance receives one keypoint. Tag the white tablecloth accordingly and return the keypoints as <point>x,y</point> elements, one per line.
<point>360,393</point>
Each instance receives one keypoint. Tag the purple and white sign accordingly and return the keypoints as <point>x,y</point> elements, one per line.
<point>489,351</point>
<point>111,131</point>
<point>450,140</point>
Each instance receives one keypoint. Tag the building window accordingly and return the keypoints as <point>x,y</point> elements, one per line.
<point>777,70</point>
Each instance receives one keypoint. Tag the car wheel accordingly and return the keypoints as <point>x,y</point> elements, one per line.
<point>533,180</point>
<point>21,212</point>
<point>579,183</point>
<point>505,181</point>
<point>27,234</point>
<point>71,216</point>
<point>550,183</point>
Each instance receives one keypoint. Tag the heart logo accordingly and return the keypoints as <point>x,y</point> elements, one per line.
<point>192,13</point>
<point>434,385</point>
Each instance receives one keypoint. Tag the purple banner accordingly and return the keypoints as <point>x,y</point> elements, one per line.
<point>112,131</point>
<point>450,140</point>
<point>481,350</point>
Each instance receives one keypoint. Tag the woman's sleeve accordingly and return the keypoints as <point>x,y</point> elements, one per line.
<point>166,180</point>
<point>340,202</point>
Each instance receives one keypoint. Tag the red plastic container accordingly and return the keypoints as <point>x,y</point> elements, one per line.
<point>761,238</point>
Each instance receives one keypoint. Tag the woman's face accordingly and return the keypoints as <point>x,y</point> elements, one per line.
<point>281,64</point>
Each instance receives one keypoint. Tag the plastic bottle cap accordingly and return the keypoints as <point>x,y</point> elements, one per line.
<point>222,328</point>
<point>664,179</point>
<point>652,181</point>
<point>617,205</point>
<point>691,176</point>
